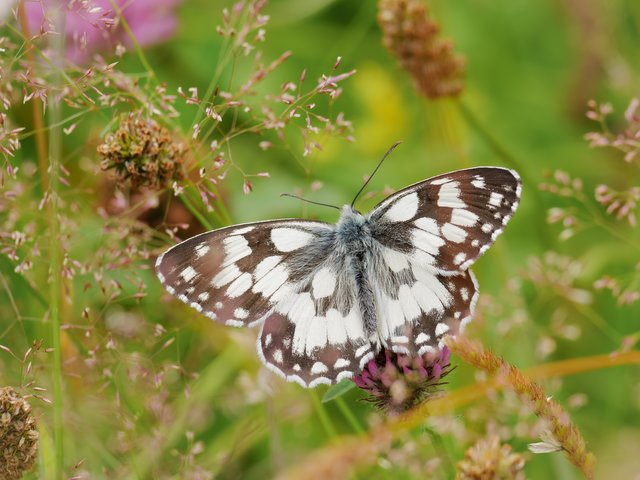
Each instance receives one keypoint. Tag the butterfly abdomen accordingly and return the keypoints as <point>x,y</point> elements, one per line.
<point>353,236</point>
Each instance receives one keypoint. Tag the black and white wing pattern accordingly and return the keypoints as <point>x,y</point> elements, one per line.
<point>446,222</point>
<point>328,297</point>
<point>286,276</point>
<point>428,235</point>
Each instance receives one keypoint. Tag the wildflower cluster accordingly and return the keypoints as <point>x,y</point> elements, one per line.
<point>142,153</point>
<point>490,459</point>
<point>414,39</point>
<point>18,435</point>
<point>398,382</point>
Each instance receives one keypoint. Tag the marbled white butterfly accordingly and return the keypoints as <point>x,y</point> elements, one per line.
<point>328,297</point>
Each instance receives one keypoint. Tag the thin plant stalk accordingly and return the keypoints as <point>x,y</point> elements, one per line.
<point>36,107</point>
<point>55,273</point>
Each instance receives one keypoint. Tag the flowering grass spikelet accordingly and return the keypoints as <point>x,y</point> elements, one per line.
<point>414,40</point>
<point>18,435</point>
<point>143,153</point>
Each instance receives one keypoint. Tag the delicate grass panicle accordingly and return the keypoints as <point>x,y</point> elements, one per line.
<point>490,459</point>
<point>577,213</point>
<point>414,39</point>
<point>566,433</point>
<point>143,153</point>
<point>18,435</point>
<point>398,382</point>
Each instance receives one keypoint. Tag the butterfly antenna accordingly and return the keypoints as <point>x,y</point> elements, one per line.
<point>309,201</point>
<point>391,149</point>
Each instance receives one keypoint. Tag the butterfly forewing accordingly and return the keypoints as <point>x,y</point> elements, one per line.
<point>448,221</point>
<point>234,274</point>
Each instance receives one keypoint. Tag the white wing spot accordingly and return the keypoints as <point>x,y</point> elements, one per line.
<point>202,249</point>
<point>441,329</point>
<point>449,196</point>
<point>290,239</point>
<point>240,231</point>
<point>239,285</point>
<point>495,199</point>
<point>429,225</point>
<point>403,209</point>
<point>235,248</point>
<point>196,306</point>
<point>324,283</point>
<point>188,274</point>
<point>341,363</point>
<point>487,227</point>
<point>453,233</point>
<point>464,293</point>
<point>475,242</point>
<point>362,350</point>
<point>336,327</point>
<point>226,276</point>
<point>218,305</point>
<point>426,348</point>
<point>422,338</point>
<point>277,355</point>
<point>241,313</point>
<point>478,181</point>
<point>265,266</point>
<point>267,340</point>
<point>410,307</point>
<point>271,282</point>
<point>396,261</point>
<point>319,367</point>
<point>296,367</point>
<point>203,297</point>
<point>464,218</point>
<point>440,181</point>
<point>459,258</point>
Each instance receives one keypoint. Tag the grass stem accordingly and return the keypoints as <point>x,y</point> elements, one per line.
<point>55,267</point>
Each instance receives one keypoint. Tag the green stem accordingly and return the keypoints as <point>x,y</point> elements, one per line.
<point>322,415</point>
<point>136,46</point>
<point>55,285</point>
<point>349,416</point>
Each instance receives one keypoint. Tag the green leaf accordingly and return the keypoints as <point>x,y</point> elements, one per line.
<point>338,390</point>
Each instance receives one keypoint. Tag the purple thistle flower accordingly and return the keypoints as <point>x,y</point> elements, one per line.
<point>398,382</point>
<point>93,25</point>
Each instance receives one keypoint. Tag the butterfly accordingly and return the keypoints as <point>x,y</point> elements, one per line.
<point>329,297</point>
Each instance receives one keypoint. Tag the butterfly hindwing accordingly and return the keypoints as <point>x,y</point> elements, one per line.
<point>448,221</point>
<point>234,274</point>
<point>423,307</point>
